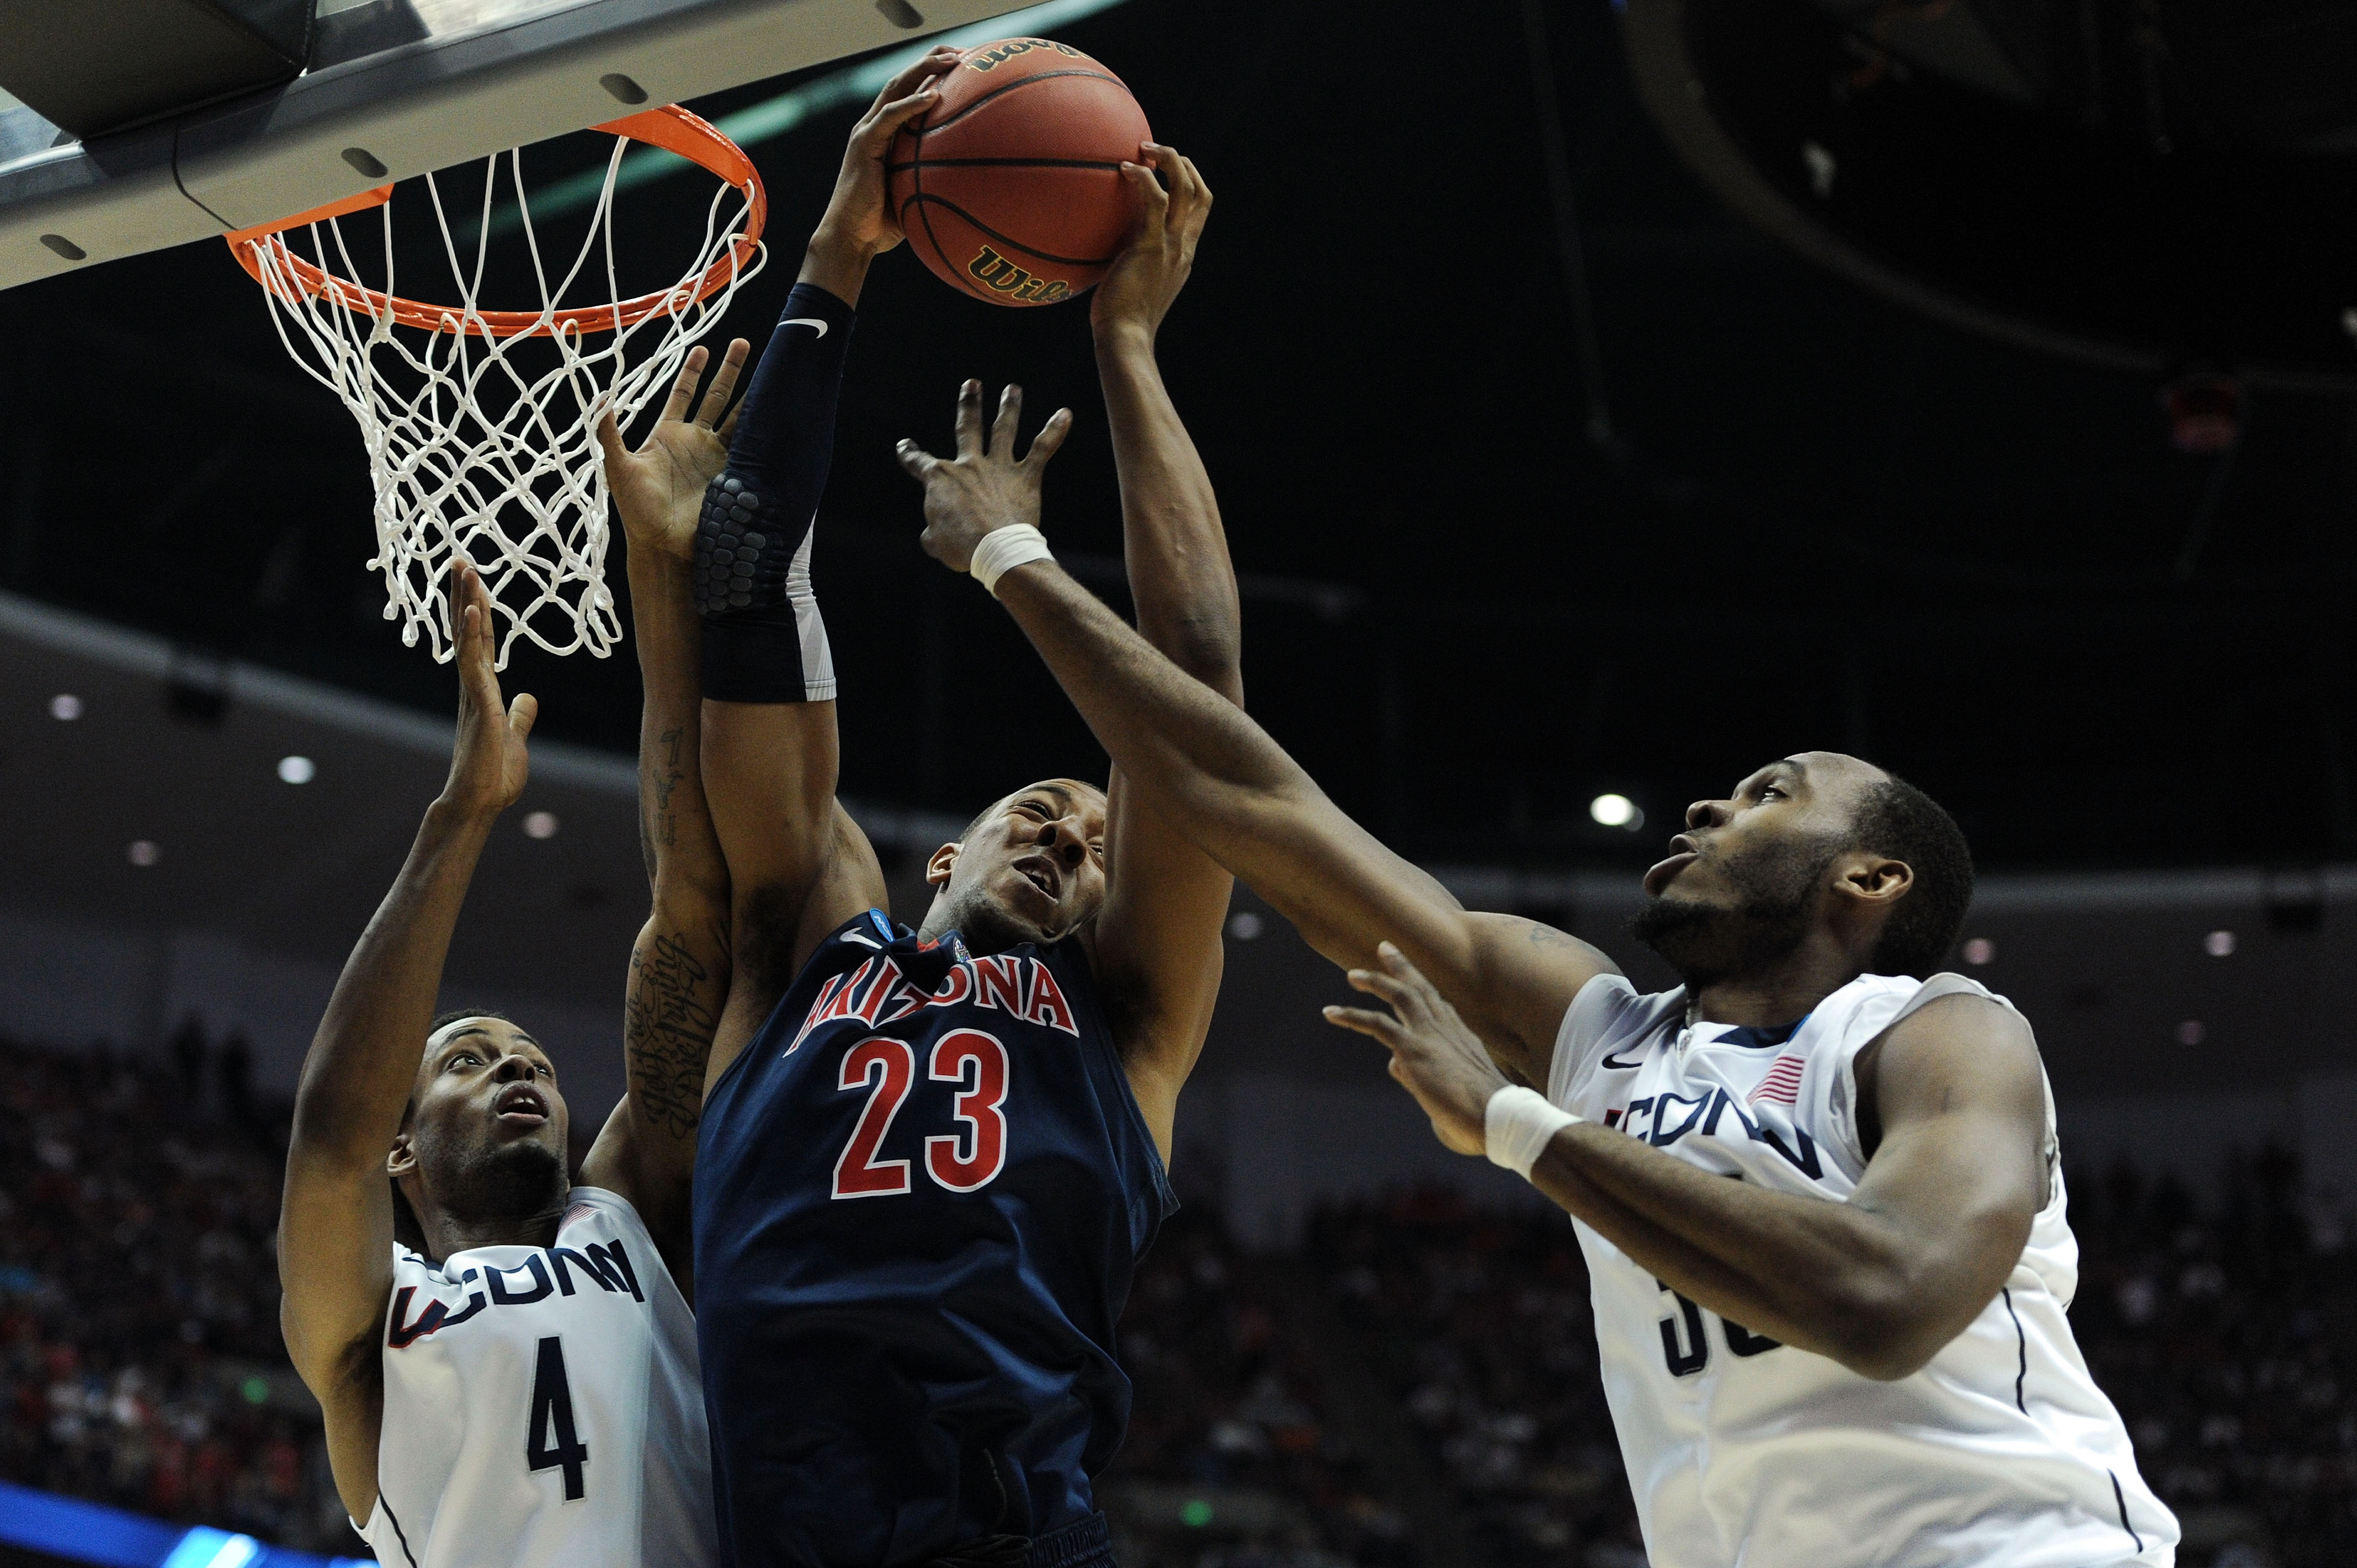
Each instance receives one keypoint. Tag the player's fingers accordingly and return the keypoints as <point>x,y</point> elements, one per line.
<point>728,431</point>
<point>892,116</point>
<point>1045,445</point>
<point>609,437</point>
<point>1380,1028</point>
<point>915,461</point>
<point>1375,983</point>
<point>969,420</point>
<point>682,387</point>
<point>1010,415</point>
<point>1396,962</point>
<point>1412,1004</point>
<point>724,383</point>
<point>915,74</point>
<point>1172,166</point>
<point>1152,197</point>
<point>522,714</point>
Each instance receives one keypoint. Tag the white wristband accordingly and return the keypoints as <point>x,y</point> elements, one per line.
<point>1518,1125</point>
<point>1003,549</point>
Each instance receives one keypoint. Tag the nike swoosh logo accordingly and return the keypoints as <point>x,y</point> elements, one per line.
<point>804,321</point>
<point>1618,1066</point>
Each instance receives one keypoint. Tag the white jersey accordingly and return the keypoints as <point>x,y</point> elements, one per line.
<point>542,1406</point>
<point>1744,1453</point>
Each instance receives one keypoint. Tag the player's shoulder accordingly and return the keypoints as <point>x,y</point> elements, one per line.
<point>872,930</point>
<point>1873,1005</point>
<point>599,1203</point>
<point>1607,1013</point>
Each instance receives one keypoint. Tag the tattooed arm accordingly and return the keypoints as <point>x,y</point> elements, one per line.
<point>680,967</point>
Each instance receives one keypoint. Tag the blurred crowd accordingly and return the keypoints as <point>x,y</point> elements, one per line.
<point>140,1362</point>
<point>1419,1387</point>
<point>2227,1336</point>
<point>1479,1327</point>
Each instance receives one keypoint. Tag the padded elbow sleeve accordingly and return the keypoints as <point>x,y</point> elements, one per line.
<point>764,639</point>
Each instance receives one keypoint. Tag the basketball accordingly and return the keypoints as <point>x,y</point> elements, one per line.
<point>1009,188</point>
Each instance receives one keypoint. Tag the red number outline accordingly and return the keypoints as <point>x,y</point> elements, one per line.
<point>888,1067</point>
<point>985,1135</point>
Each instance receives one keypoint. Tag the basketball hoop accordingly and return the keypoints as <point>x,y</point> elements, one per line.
<point>518,486</point>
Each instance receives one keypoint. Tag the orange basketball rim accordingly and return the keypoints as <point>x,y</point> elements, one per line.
<point>670,127</point>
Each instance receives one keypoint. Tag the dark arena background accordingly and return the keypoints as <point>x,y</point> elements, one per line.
<point>1602,401</point>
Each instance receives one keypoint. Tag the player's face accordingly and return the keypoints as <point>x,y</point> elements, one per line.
<point>489,1126</point>
<point>1741,885</point>
<point>1033,870</point>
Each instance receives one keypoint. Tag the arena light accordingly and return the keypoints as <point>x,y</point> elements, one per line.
<point>65,705</point>
<point>2191,1032</point>
<point>2219,944</point>
<point>205,1547</point>
<point>540,825</point>
<point>1979,951</point>
<point>1616,812</point>
<point>144,852</point>
<point>1246,926</point>
<point>296,769</point>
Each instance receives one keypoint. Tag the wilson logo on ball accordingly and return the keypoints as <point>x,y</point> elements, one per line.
<point>992,56</point>
<point>995,272</point>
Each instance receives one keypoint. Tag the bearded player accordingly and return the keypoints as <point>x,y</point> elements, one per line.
<point>506,1363</point>
<point>1853,1353</point>
<point>931,1158</point>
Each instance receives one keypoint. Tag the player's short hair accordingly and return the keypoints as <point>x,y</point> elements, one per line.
<point>985,815</point>
<point>443,1021</point>
<point>1897,820</point>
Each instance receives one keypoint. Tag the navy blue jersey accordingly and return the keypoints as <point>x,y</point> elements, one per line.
<point>919,1197</point>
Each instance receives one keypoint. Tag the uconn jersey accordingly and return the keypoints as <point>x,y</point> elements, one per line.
<point>1745,1452</point>
<point>920,1196</point>
<point>542,1407</point>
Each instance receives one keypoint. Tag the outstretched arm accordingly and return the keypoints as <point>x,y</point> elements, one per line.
<point>679,967</point>
<point>1878,1283</point>
<point>1235,793</point>
<point>1158,949</point>
<point>796,864</point>
<point>335,1220</point>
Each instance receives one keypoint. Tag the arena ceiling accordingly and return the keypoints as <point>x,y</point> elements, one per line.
<point>1807,517</point>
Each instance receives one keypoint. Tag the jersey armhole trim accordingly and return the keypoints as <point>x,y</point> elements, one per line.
<point>2120,1500</point>
<point>401,1535</point>
<point>1570,1062</point>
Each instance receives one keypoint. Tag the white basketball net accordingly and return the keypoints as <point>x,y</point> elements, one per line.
<point>487,445</point>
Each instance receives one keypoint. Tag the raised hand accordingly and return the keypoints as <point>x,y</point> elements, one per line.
<point>658,489</point>
<point>489,764</point>
<point>1148,274</point>
<point>985,486</point>
<point>1442,1062</point>
<point>857,217</point>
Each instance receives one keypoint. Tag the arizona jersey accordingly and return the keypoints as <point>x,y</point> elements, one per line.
<point>542,1407</point>
<point>1744,1453</point>
<point>920,1196</point>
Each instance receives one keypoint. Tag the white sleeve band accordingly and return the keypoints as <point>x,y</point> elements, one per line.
<point>1003,549</point>
<point>1517,1126</point>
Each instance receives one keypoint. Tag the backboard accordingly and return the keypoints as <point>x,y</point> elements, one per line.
<point>392,89</point>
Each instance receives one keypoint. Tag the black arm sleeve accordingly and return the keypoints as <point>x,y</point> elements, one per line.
<point>764,641</point>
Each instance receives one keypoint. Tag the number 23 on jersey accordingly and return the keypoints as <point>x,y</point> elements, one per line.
<point>962,1161</point>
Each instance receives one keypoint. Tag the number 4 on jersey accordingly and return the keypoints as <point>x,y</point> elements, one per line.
<point>551,1440</point>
